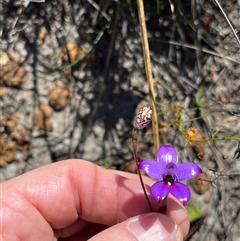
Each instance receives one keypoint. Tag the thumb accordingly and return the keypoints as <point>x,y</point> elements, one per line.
<point>144,227</point>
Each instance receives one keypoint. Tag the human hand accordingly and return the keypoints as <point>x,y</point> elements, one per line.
<point>77,200</point>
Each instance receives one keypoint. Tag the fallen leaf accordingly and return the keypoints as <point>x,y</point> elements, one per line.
<point>200,186</point>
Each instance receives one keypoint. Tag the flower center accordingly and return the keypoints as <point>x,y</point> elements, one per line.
<point>169,179</point>
<point>169,176</point>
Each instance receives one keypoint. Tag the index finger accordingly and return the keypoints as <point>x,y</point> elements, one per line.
<point>64,191</point>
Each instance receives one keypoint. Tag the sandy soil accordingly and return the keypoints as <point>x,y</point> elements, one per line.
<point>53,108</point>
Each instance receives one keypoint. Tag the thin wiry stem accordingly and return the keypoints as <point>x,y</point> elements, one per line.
<point>142,120</point>
<point>228,21</point>
<point>134,146</point>
<point>97,7</point>
<point>189,46</point>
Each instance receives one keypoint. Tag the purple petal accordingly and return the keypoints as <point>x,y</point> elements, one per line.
<point>187,171</point>
<point>152,169</point>
<point>160,190</point>
<point>170,169</point>
<point>181,192</point>
<point>166,154</point>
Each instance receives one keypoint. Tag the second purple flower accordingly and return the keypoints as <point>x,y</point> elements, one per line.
<point>169,174</point>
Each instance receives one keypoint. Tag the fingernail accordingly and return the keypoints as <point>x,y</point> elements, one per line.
<point>154,227</point>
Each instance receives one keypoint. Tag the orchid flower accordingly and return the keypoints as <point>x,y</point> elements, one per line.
<point>169,174</point>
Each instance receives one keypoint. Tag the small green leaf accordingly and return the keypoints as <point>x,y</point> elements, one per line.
<point>194,213</point>
<point>106,163</point>
<point>200,99</point>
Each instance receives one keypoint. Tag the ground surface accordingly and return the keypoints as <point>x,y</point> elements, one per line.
<point>52,111</point>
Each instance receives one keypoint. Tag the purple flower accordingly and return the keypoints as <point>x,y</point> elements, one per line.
<point>169,174</point>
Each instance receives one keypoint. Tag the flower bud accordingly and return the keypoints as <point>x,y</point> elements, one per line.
<point>143,118</point>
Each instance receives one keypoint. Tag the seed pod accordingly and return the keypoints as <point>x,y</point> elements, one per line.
<point>143,118</point>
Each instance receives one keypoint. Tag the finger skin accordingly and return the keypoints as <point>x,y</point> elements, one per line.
<point>144,227</point>
<point>57,195</point>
